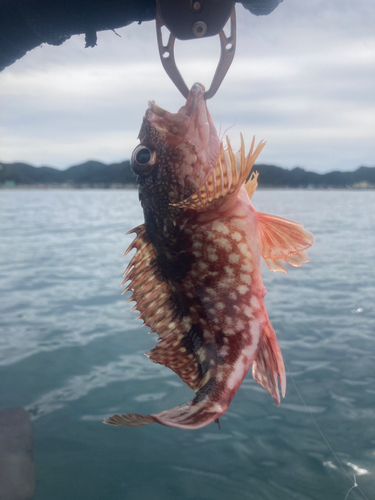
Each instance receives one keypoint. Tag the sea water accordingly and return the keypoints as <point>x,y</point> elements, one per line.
<point>71,353</point>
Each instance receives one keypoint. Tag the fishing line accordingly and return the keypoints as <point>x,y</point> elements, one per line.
<point>355,484</point>
<point>222,135</point>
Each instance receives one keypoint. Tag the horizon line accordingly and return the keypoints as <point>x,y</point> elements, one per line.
<point>124,161</point>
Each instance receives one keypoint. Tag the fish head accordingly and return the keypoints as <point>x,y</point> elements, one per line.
<point>177,151</point>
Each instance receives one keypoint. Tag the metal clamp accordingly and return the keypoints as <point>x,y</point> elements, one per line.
<point>198,29</point>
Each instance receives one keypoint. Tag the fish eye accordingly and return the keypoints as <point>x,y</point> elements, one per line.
<point>143,160</point>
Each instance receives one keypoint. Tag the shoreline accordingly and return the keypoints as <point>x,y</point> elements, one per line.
<point>360,186</point>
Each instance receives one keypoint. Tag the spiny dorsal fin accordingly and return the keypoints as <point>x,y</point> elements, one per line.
<point>252,184</point>
<point>230,173</point>
<point>155,303</point>
<point>283,240</point>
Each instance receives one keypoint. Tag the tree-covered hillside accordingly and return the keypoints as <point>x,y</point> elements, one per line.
<point>97,174</point>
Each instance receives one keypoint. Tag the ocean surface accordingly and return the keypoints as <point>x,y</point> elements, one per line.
<point>71,353</point>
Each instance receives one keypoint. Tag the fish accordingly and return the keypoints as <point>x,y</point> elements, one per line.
<point>196,274</point>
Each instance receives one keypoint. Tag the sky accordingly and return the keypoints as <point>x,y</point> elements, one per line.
<point>303,79</point>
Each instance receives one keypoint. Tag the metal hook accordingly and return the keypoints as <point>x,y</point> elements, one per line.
<point>228,48</point>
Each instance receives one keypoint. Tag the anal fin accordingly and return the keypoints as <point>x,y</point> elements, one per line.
<point>268,366</point>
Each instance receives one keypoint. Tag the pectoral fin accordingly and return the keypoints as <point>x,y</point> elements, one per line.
<point>283,240</point>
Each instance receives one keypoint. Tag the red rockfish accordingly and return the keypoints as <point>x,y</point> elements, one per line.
<point>196,276</point>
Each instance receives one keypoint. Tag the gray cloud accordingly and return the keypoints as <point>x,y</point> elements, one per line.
<point>302,79</point>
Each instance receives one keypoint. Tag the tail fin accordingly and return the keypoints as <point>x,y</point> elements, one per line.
<point>130,420</point>
<point>269,365</point>
<point>197,413</point>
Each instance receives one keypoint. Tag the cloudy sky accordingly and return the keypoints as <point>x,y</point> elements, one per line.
<point>303,79</point>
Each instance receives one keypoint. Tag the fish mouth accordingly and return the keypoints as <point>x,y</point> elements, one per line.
<point>190,129</point>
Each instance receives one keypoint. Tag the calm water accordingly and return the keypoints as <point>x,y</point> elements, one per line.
<point>71,353</point>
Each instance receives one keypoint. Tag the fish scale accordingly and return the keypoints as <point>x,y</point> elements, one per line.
<point>196,276</point>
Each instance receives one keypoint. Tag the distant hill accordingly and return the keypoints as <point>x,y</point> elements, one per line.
<point>97,174</point>
<point>272,176</point>
<point>90,173</point>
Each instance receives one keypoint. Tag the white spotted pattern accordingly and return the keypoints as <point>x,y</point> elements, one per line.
<point>233,258</point>
<point>220,227</point>
<point>242,289</point>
